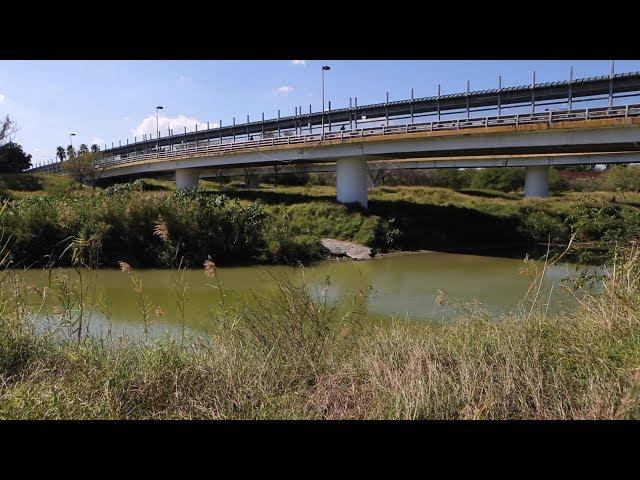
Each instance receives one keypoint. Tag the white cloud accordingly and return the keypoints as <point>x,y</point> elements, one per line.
<point>285,89</point>
<point>2,97</point>
<point>298,62</point>
<point>177,124</point>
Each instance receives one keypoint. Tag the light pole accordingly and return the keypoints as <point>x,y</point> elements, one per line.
<point>71,139</point>
<point>159,107</point>
<point>324,69</point>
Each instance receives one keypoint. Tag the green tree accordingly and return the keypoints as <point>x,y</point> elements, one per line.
<point>61,154</point>
<point>503,179</point>
<point>83,149</point>
<point>95,148</point>
<point>86,168</point>
<point>70,152</point>
<point>13,159</point>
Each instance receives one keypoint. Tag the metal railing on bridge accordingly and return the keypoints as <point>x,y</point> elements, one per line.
<point>222,148</point>
<point>196,149</point>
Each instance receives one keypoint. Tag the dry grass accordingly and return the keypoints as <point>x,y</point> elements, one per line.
<point>295,356</point>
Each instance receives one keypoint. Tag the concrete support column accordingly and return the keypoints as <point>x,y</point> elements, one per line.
<point>536,181</point>
<point>187,178</point>
<point>351,181</point>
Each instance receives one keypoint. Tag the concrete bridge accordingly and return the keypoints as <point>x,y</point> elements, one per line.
<point>394,133</point>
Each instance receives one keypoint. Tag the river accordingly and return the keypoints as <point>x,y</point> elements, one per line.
<point>404,286</point>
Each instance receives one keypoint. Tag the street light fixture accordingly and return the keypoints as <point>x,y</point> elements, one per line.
<point>159,107</point>
<point>324,69</point>
<point>70,139</point>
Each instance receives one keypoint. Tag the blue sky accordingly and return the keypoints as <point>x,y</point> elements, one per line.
<point>105,101</point>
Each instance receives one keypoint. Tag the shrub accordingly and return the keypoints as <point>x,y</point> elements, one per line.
<point>621,177</point>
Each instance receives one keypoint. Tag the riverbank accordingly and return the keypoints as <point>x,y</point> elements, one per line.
<point>293,357</point>
<point>147,224</point>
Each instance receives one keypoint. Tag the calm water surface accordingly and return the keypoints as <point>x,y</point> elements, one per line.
<point>405,286</point>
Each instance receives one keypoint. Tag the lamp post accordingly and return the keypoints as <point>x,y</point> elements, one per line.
<point>159,107</point>
<point>324,69</point>
<point>71,139</point>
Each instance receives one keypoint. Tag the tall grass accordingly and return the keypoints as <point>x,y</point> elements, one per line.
<point>294,355</point>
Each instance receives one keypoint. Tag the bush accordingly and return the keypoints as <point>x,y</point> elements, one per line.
<point>503,179</point>
<point>558,183</point>
<point>120,223</point>
<point>621,177</point>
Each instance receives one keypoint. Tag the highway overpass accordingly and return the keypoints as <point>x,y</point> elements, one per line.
<point>396,132</point>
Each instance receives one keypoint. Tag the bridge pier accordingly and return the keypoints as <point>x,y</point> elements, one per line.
<point>536,181</point>
<point>352,181</point>
<point>187,178</point>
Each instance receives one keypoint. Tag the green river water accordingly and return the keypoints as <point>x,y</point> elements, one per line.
<point>404,286</point>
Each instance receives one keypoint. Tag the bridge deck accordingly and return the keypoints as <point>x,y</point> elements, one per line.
<point>540,95</point>
<point>574,120</point>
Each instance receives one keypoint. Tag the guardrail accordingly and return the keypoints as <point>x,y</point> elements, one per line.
<point>222,148</point>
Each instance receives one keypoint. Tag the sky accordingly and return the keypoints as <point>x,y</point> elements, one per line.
<point>106,101</point>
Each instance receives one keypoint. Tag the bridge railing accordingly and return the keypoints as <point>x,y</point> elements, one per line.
<point>195,149</point>
<point>222,148</point>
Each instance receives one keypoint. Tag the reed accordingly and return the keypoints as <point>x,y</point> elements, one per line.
<point>294,355</point>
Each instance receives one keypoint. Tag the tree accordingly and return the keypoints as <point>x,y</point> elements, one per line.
<point>276,173</point>
<point>251,178</point>
<point>83,149</point>
<point>86,168</point>
<point>95,148</point>
<point>70,152</point>
<point>61,154</point>
<point>377,173</point>
<point>13,159</point>
<point>7,128</point>
<point>503,179</point>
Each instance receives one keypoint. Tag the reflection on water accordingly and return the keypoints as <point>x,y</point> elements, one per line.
<point>404,286</point>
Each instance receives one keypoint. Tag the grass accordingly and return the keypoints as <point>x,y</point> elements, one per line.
<point>288,221</point>
<point>415,218</point>
<point>294,356</point>
<point>24,185</point>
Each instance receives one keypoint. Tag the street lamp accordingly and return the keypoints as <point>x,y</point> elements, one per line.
<point>159,107</point>
<point>70,139</point>
<point>324,69</point>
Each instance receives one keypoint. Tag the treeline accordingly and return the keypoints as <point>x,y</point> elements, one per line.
<point>70,152</point>
<point>509,180</point>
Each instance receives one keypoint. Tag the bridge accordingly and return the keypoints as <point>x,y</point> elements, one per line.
<point>448,131</point>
